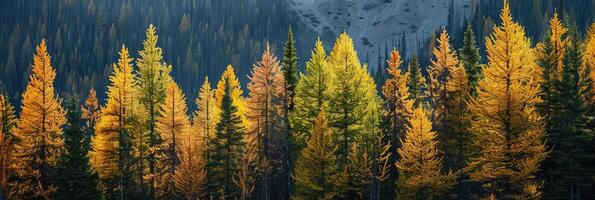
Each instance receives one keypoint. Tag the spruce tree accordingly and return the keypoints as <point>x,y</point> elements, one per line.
<point>470,58</point>
<point>567,168</point>
<point>290,69</point>
<point>75,179</point>
<point>416,83</point>
<point>227,148</point>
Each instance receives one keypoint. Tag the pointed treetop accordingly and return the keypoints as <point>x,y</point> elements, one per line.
<point>394,62</point>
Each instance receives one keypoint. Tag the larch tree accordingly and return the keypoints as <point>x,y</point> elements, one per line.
<point>469,55</point>
<point>398,106</point>
<point>190,178</point>
<point>235,91</point>
<point>173,124</point>
<point>205,117</point>
<point>589,61</point>
<point>90,112</point>
<point>38,132</point>
<point>416,83</point>
<point>227,148</point>
<point>508,131</point>
<point>419,162</point>
<point>153,77</point>
<point>318,174</point>
<point>353,100</point>
<point>112,143</point>
<point>312,94</point>
<point>568,169</point>
<point>7,123</point>
<point>440,76</point>
<point>75,178</point>
<point>265,111</point>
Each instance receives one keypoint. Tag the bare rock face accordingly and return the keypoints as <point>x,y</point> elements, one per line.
<point>376,22</point>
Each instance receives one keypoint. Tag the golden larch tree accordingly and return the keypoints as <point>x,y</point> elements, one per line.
<point>419,162</point>
<point>205,117</point>
<point>39,129</point>
<point>173,124</point>
<point>7,123</point>
<point>508,131</point>
<point>589,59</point>
<point>236,92</point>
<point>191,175</point>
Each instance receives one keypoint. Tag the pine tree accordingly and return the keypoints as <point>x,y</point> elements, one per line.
<point>205,117</point>
<point>318,174</point>
<point>416,83</point>
<point>153,77</point>
<point>173,125</point>
<point>507,129</point>
<point>352,96</point>
<point>470,58</point>
<point>419,163</point>
<point>75,179</point>
<point>236,93</point>
<point>266,109</point>
<point>7,124</point>
<point>312,93</point>
<point>190,177</point>
<point>112,143</point>
<point>567,171</point>
<point>227,147</point>
<point>38,134</point>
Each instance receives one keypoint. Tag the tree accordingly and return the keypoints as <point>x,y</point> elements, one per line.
<point>190,177</point>
<point>566,169</point>
<point>440,74</point>
<point>90,111</point>
<point>419,163</point>
<point>312,94</point>
<point>173,125</point>
<point>589,60</point>
<point>470,58</point>
<point>153,77</point>
<point>290,69</point>
<point>416,83</point>
<point>266,111</point>
<point>508,131</point>
<point>354,100</point>
<point>39,126</point>
<point>205,117</point>
<point>7,124</point>
<point>318,174</point>
<point>112,143</point>
<point>227,147</point>
<point>75,179</point>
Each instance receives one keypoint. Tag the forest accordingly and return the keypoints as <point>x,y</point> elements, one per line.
<point>515,122</point>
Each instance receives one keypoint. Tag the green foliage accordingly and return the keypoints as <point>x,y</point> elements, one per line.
<point>470,58</point>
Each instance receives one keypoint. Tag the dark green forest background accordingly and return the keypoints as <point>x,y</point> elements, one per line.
<point>200,37</point>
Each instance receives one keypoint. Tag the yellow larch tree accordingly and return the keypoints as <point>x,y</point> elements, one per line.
<point>191,175</point>
<point>7,123</point>
<point>112,143</point>
<point>589,59</point>
<point>236,92</point>
<point>38,129</point>
<point>205,117</point>
<point>420,166</point>
<point>508,131</point>
<point>173,124</point>
<point>265,111</point>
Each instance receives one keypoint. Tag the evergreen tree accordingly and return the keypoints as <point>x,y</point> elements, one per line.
<point>318,174</point>
<point>416,83</point>
<point>75,179</point>
<point>290,69</point>
<point>173,125</point>
<point>507,129</point>
<point>38,134</point>
<point>266,111</point>
<point>236,92</point>
<point>312,93</point>
<point>470,58</point>
<point>227,147</point>
<point>7,123</point>
<point>112,143</point>
<point>567,171</point>
<point>419,163</point>
<point>153,77</point>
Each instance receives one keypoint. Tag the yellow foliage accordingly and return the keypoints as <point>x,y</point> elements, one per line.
<point>589,56</point>
<point>206,115</point>
<point>235,91</point>
<point>559,45</point>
